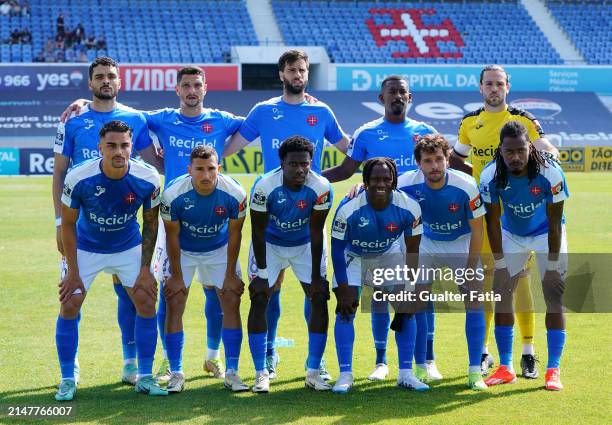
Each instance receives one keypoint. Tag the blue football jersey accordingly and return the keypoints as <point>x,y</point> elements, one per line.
<point>204,218</point>
<point>78,138</point>
<point>274,120</point>
<point>289,211</point>
<point>524,202</point>
<point>178,135</point>
<point>446,211</point>
<point>383,138</point>
<point>369,231</point>
<point>107,220</point>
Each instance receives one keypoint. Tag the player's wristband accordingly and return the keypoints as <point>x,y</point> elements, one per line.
<point>500,264</point>
<point>262,273</point>
<point>553,265</point>
<point>58,221</point>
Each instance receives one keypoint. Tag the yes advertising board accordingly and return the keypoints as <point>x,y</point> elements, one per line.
<point>466,77</point>
<point>36,79</point>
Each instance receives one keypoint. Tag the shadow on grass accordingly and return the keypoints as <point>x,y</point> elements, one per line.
<point>205,400</point>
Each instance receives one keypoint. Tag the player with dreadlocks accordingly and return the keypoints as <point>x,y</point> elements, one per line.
<point>372,224</point>
<point>532,190</point>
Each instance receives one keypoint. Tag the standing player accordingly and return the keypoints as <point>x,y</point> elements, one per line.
<point>101,199</point>
<point>77,141</point>
<point>273,121</point>
<point>531,188</point>
<point>289,206</point>
<point>178,132</point>
<point>394,136</point>
<point>372,224</point>
<point>479,134</point>
<point>203,214</point>
<point>452,217</point>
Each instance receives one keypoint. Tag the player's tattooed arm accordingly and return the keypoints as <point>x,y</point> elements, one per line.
<point>59,175</point>
<point>234,144</point>
<point>150,219</point>
<point>317,223</point>
<point>259,222</point>
<point>555,218</point>
<point>343,171</point>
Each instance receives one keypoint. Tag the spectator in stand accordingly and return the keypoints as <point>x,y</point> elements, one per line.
<point>26,36</point>
<point>15,36</point>
<point>5,8</point>
<point>60,25</point>
<point>79,33</point>
<point>40,57</point>
<point>101,43</point>
<point>90,43</point>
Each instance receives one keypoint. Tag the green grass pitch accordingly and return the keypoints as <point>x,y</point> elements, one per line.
<point>30,371</point>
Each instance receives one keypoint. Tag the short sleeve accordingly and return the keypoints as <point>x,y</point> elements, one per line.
<point>231,122</point>
<point>64,140</point>
<point>474,205</point>
<point>142,139</point>
<point>259,199</point>
<point>558,188</point>
<point>71,192</point>
<point>357,148</point>
<point>249,129</point>
<point>154,196</point>
<point>414,224</point>
<point>488,191</point>
<point>463,144</point>
<point>324,198</point>
<point>333,132</point>
<point>154,119</point>
<point>167,211</point>
<point>340,225</point>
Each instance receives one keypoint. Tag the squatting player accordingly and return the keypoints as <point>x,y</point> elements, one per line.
<point>394,136</point>
<point>372,224</point>
<point>288,210</point>
<point>203,213</point>
<point>452,213</point>
<point>531,188</point>
<point>100,232</point>
<point>479,134</point>
<point>273,121</point>
<point>77,141</point>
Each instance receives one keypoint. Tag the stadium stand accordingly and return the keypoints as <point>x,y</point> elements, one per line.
<point>589,24</point>
<point>135,30</point>
<point>451,32</point>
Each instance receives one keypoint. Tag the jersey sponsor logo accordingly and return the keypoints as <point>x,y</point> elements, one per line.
<point>259,198</point>
<point>476,202</point>
<point>129,198</point>
<point>488,151</point>
<point>405,161</point>
<point>207,128</point>
<point>99,190</point>
<point>374,244</point>
<point>323,199</point>
<point>189,143</point>
<point>444,227</point>
<point>203,230</point>
<point>535,190</point>
<point>301,204</point>
<point>392,227</point>
<point>339,226</point>
<point>90,153</point>
<point>290,225</point>
<point>112,220</point>
<point>363,222</point>
<point>312,120</point>
<point>453,207</point>
<point>557,189</point>
<point>220,210</point>
<point>524,211</point>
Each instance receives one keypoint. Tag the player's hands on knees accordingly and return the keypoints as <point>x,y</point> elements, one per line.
<point>173,285</point>
<point>553,284</point>
<point>70,283</point>
<point>319,285</point>
<point>146,282</point>
<point>58,239</point>
<point>345,301</point>
<point>258,284</point>
<point>233,283</point>
<point>75,107</point>
<point>502,282</point>
<point>355,189</point>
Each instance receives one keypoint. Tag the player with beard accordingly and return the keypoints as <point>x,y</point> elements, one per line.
<point>394,135</point>
<point>531,189</point>
<point>77,141</point>
<point>273,121</point>
<point>479,135</point>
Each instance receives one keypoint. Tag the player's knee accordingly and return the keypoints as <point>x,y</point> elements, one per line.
<point>230,301</point>
<point>70,309</point>
<point>319,301</point>
<point>145,306</point>
<point>177,302</point>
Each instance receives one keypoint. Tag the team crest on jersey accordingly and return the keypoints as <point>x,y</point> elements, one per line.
<point>339,226</point>
<point>220,210</point>
<point>129,198</point>
<point>391,227</point>
<point>557,189</point>
<point>259,198</point>
<point>323,199</point>
<point>301,204</point>
<point>312,120</point>
<point>476,202</point>
<point>535,190</point>
<point>453,207</point>
<point>207,128</point>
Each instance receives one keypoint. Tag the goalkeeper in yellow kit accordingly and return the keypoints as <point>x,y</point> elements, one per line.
<point>479,134</point>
